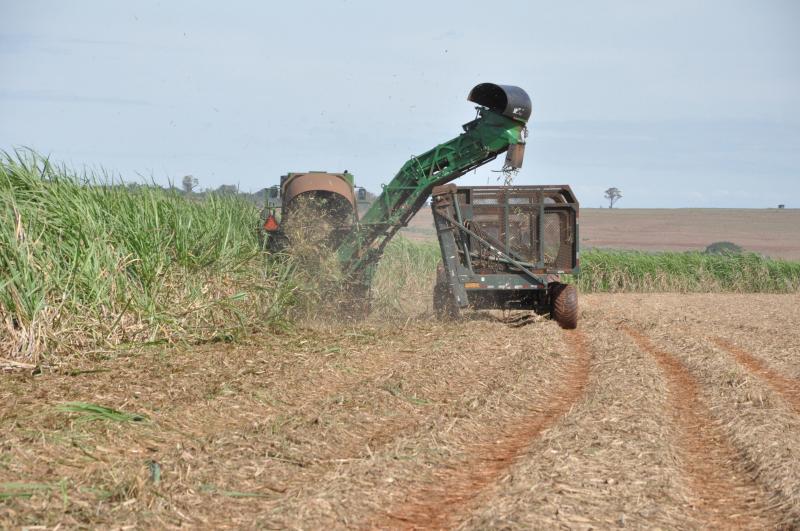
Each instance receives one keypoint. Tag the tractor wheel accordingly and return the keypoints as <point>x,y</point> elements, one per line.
<point>444,304</point>
<point>564,305</point>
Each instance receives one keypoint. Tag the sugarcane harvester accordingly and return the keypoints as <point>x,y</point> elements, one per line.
<point>499,127</point>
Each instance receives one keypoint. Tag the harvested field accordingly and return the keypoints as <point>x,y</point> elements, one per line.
<point>772,232</point>
<point>662,410</point>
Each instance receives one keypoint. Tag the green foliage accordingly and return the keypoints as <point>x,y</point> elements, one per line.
<point>622,271</point>
<point>22,490</point>
<point>723,247</point>
<point>403,282</point>
<point>91,412</point>
<point>405,274</point>
<point>85,261</point>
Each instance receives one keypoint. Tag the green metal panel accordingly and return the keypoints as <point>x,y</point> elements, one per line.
<point>450,258</point>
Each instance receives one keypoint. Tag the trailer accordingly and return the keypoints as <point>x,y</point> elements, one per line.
<point>506,247</point>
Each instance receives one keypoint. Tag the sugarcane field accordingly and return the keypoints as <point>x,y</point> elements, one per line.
<point>346,265</point>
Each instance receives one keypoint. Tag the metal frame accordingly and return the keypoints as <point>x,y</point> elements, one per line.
<point>484,270</point>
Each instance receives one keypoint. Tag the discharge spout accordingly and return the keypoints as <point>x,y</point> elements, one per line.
<point>508,100</point>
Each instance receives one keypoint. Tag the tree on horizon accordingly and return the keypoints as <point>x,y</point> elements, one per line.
<point>613,195</point>
<point>190,182</point>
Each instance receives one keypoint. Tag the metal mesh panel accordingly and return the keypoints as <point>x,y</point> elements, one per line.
<point>489,212</point>
<point>509,217</point>
<point>486,198</point>
<point>520,234</point>
<point>490,224</point>
<point>557,240</point>
<point>522,228</point>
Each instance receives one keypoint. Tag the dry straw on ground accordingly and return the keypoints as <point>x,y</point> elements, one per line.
<point>344,425</point>
<point>758,421</point>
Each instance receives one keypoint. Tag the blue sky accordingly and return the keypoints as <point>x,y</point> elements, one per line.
<point>679,104</point>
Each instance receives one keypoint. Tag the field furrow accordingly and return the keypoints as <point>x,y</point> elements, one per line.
<point>609,463</point>
<point>787,387</point>
<point>444,503</point>
<point>725,495</point>
<point>757,420</point>
<point>506,375</point>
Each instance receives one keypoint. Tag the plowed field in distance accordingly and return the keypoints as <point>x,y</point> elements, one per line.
<point>676,411</point>
<point>772,232</point>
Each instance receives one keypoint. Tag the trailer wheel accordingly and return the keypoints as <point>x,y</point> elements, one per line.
<point>444,303</point>
<point>564,305</point>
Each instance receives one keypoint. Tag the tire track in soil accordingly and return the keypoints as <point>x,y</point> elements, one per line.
<point>788,388</point>
<point>446,503</point>
<point>726,497</point>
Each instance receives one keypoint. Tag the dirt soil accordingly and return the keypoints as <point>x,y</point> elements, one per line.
<point>660,411</point>
<point>771,232</point>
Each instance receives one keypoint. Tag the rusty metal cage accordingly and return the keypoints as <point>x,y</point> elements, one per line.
<point>537,225</point>
<point>505,247</point>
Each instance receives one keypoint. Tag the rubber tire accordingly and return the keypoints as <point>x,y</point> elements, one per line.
<point>564,301</point>
<point>444,304</point>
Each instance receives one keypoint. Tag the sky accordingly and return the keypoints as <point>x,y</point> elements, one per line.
<point>678,103</point>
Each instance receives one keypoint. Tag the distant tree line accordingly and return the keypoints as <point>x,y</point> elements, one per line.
<point>190,187</point>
